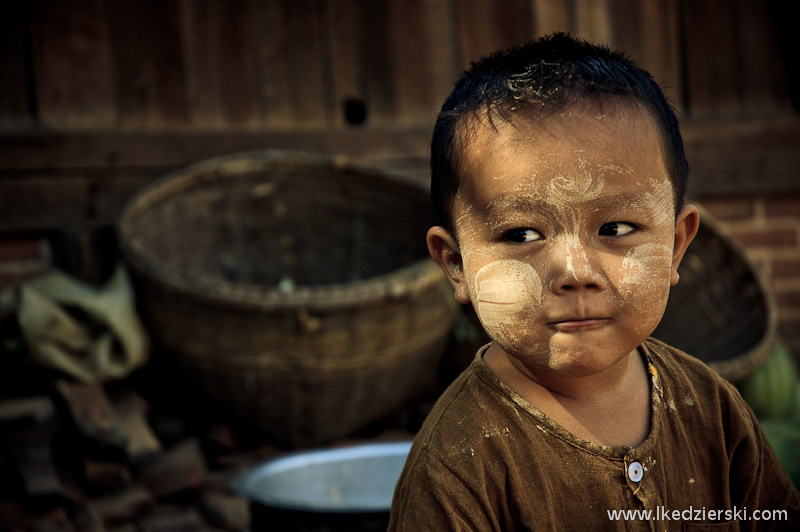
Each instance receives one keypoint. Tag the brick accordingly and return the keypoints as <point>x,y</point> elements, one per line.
<point>92,412</point>
<point>22,260</point>
<point>131,411</point>
<point>181,468</point>
<point>30,447</point>
<point>124,505</point>
<point>10,280</point>
<point>787,297</point>
<point>226,511</point>
<point>88,519</point>
<point>789,330</point>
<point>127,527</point>
<point>24,249</point>
<point>776,206</point>
<point>766,238</point>
<point>106,475</point>
<point>786,268</point>
<point>56,520</point>
<point>174,520</point>
<point>39,408</point>
<point>730,208</point>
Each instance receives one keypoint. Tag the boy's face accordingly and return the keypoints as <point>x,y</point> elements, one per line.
<point>567,240</point>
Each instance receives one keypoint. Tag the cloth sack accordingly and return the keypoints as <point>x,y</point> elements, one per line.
<point>91,333</point>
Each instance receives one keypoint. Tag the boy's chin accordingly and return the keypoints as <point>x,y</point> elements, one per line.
<point>569,361</point>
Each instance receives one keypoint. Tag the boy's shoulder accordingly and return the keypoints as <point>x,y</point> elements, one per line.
<point>475,407</point>
<point>678,369</point>
<point>472,398</point>
<point>480,417</point>
<point>687,389</point>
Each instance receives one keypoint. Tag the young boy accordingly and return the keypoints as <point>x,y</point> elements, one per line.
<point>558,173</point>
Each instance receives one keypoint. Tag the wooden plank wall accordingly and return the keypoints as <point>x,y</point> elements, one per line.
<point>99,97</point>
<point>220,64</point>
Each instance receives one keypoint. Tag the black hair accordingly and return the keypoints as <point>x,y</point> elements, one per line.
<point>543,76</point>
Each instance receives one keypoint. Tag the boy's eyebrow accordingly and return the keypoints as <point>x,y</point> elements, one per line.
<point>524,202</point>
<point>536,202</point>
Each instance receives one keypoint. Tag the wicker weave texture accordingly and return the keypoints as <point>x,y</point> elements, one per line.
<point>295,290</point>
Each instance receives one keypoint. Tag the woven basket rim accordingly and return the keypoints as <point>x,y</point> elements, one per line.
<point>405,281</point>
<point>749,361</point>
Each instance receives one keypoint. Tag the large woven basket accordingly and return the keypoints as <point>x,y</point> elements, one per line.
<point>720,311</point>
<point>294,289</point>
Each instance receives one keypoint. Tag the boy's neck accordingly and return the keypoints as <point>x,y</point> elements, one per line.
<point>612,408</point>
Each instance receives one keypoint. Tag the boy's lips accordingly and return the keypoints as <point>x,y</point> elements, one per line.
<point>572,324</point>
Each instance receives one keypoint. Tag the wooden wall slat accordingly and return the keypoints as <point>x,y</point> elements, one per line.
<point>129,149</point>
<point>163,49</point>
<point>514,23</point>
<point>710,58</point>
<point>346,58</point>
<point>148,67</point>
<point>593,20</point>
<point>376,43</point>
<point>627,21</point>
<point>72,64</point>
<point>786,18</point>
<point>648,32</point>
<point>272,63</point>
<point>309,79</point>
<point>199,64</point>
<point>443,53</point>
<point>67,201</point>
<point>552,15</point>
<point>661,47</point>
<point>237,71</point>
<point>133,79</point>
<point>476,29</point>
<point>16,107</point>
<point>763,78</point>
<point>202,49</point>
<point>410,60</point>
<point>84,179</point>
<point>485,26</point>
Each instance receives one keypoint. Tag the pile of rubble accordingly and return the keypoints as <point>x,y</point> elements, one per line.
<point>144,455</point>
<point>91,458</point>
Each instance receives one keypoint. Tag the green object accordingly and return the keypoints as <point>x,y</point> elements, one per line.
<point>794,413</point>
<point>784,437</point>
<point>772,390</point>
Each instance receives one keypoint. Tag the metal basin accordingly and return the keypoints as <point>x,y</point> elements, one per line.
<point>325,490</point>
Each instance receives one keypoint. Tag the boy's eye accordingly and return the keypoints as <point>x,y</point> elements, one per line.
<point>523,235</point>
<point>616,229</point>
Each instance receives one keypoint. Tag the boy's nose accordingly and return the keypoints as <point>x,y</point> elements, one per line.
<point>572,268</point>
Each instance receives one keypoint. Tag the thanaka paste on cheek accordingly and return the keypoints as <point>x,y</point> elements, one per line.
<point>646,269</point>
<point>506,291</point>
<point>645,282</point>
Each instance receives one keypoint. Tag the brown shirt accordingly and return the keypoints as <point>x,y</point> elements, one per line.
<point>486,459</point>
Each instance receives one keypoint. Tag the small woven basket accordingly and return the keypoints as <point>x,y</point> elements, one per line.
<point>296,290</point>
<point>720,312</point>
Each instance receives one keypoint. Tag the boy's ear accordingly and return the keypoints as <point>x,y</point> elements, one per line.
<point>445,251</point>
<point>686,226</point>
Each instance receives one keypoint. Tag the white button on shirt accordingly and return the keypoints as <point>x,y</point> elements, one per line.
<point>635,471</point>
